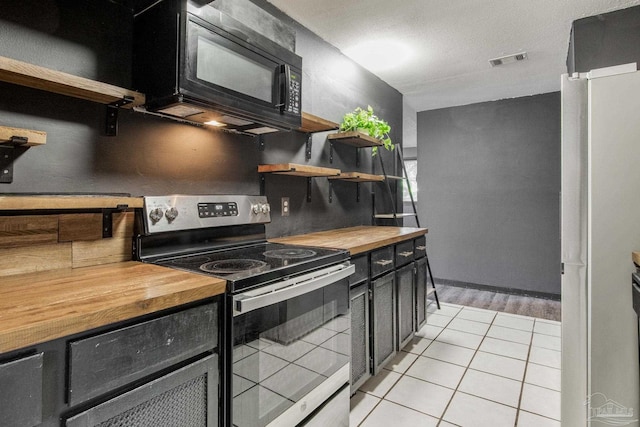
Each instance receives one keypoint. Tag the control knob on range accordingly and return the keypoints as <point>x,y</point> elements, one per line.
<point>260,208</point>
<point>156,215</point>
<point>171,214</point>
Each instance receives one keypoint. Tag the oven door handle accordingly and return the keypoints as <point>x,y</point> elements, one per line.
<point>290,288</point>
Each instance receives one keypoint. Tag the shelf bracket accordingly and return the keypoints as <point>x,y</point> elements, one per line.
<point>260,143</point>
<point>262,185</point>
<point>8,156</point>
<point>358,192</point>
<point>107,220</point>
<point>111,128</point>
<point>357,156</point>
<point>331,152</point>
<point>309,190</point>
<point>307,151</point>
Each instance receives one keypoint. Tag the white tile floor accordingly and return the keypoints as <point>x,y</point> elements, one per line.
<point>468,367</point>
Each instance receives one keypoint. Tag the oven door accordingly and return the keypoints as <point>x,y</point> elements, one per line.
<point>291,347</point>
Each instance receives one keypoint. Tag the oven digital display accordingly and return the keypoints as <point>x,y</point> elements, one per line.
<point>209,210</point>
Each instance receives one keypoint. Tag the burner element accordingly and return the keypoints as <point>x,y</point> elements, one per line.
<point>231,266</point>
<point>292,253</point>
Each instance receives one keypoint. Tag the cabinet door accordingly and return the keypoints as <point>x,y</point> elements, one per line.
<point>185,397</point>
<point>421,292</point>
<point>21,392</point>
<point>406,311</point>
<point>383,320</point>
<point>360,350</point>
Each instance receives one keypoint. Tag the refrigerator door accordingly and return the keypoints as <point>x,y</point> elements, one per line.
<point>613,233</point>
<point>600,229</point>
<point>573,207</point>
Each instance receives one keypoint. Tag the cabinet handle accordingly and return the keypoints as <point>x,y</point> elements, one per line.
<point>406,254</point>
<point>421,248</point>
<point>384,262</point>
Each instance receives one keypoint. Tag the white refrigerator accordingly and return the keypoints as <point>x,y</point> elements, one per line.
<point>600,209</point>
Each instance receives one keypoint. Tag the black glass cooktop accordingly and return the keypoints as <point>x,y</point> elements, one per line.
<point>256,264</point>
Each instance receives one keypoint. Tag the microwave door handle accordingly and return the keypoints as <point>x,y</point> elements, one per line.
<point>284,92</point>
<point>245,303</point>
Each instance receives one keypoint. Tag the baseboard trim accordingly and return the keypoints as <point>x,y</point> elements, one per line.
<point>500,289</point>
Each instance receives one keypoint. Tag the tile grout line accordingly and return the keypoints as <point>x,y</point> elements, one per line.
<point>464,373</point>
<point>402,375</point>
<point>524,376</point>
<point>467,368</point>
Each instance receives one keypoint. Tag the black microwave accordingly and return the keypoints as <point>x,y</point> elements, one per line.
<point>199,65</point>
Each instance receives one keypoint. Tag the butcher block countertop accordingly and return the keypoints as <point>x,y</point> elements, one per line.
<point>42,306</point>
<point>636,257</point>
<point>355,239</point>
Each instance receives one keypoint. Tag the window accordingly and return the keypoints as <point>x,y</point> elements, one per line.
<point>412,172</point>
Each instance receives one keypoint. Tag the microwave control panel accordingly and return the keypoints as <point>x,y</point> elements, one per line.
<point>294,93</point>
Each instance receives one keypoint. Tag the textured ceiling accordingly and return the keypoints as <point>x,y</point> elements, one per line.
<point>450,42</point>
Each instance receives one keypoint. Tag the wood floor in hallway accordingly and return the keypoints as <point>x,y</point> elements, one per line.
<point>502,302</point>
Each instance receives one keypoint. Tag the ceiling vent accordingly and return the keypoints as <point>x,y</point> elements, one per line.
<point>507,59</point>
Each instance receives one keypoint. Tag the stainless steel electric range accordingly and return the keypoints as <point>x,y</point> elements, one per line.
<point>287,342</point>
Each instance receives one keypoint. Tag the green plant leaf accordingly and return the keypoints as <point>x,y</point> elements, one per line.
<point>367,122</point>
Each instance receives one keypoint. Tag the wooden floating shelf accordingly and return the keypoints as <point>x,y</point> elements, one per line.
<point>398,215</point>
<point>400,178</point>
<point>32,137</point>
<point>298,170</point>
<point>67,202</point>
<point>358,177</point>
<point>311,124</point>
<point>34,76</point>
<point>355,139</point>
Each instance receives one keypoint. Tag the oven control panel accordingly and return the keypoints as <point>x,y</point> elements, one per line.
<point>207,210</point>
<point>184,212</point>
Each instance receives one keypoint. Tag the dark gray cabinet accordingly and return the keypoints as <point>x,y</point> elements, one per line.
<point>360,342</point>
<point>421,292</point>
<point>388,305</point>
<point>383,315</point>
<point>405,306</point>
<point>160,369</point>
<point>21,391</point>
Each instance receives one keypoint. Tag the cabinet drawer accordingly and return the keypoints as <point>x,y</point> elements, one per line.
<point>104,362</point>
<point>404,253</point>
<point>382,261</point>
<point>21,392</point>
<point>420,247</point>
<point>362,268</point>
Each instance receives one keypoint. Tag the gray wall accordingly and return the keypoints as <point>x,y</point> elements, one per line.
<point>153,156</point>
<point>489,179</point>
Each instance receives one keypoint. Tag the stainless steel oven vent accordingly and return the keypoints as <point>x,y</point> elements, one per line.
<point>507,59</point>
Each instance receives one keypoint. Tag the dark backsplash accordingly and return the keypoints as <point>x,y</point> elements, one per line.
<point>152,156</point>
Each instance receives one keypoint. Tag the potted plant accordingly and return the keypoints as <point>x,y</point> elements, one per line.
<point>367,122</point>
